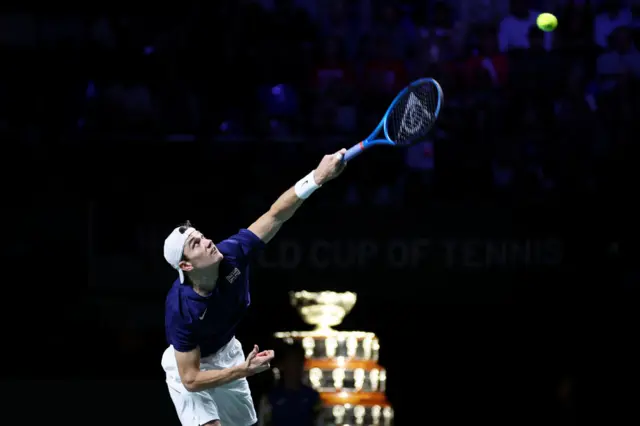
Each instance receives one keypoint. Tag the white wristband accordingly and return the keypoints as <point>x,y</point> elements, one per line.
<point>306,186</point>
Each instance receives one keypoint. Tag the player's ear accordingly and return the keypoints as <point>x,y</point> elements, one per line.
<point>185,266</point>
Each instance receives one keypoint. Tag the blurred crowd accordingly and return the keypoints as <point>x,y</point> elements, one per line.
<point>526,109</point>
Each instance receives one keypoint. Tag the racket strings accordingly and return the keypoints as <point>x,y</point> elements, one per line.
<point>414,115</point>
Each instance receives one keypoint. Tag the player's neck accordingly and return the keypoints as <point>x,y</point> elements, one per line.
<point>204,281</point>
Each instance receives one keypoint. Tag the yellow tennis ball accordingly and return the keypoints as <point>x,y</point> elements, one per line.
<point>547,22</point>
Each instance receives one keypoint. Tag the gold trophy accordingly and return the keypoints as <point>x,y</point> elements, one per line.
<point>324,310</point>
<point>341,365</point>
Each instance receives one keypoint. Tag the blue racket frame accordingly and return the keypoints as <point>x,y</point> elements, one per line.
<point>371,140</point>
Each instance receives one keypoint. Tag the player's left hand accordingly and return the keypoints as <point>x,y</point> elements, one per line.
<point>330,167</point>
<point>257,362</point>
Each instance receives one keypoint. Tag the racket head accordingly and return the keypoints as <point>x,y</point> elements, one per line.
<point>413,112</point>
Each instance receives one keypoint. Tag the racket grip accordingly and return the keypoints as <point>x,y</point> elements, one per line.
<point>353,152</point>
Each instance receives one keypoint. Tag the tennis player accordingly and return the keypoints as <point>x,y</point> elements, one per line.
<point>204,364</point>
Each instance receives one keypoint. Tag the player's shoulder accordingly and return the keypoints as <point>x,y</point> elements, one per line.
<point>173,295</point>
<point>243,236</point>
<point>182,318</point>
<point>179,309</point>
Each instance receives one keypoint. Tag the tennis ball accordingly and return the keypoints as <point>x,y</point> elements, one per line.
<point>547,22</point>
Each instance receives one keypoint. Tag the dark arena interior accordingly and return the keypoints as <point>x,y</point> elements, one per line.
<point>493,264</point>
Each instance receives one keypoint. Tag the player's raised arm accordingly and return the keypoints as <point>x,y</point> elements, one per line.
<point>286,205</point>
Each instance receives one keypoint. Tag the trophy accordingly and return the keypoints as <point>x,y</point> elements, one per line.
<point>341,365</point>
<point>324,310</point>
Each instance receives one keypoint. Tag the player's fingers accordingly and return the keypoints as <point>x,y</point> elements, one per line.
<point>253,353</point>
<point>266,358</point>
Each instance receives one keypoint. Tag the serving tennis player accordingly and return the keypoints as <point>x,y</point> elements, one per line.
<point>204,364</point>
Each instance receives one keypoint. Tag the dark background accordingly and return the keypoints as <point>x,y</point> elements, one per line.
<point>118,123</point>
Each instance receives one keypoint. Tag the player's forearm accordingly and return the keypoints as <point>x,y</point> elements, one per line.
<point>268,225</point>
<point>213,378</point>
<point>286,205</point>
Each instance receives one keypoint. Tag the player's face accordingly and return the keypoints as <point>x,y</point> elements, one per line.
<point>200,252</point>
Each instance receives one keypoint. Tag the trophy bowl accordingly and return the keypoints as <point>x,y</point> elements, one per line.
<point>324,309</point>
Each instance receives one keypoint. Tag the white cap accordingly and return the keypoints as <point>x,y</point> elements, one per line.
<point>174,248</point>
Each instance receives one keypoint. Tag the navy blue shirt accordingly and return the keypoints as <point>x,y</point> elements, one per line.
<point>210,322</point>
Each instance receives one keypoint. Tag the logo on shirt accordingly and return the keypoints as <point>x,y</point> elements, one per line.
<point>233,275</point>
<point>203,314</point>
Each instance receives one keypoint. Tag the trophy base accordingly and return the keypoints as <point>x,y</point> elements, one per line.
<point>356,409</point>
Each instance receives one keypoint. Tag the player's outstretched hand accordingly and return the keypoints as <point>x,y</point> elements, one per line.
<point>330,167</point>
<point>257,362</point>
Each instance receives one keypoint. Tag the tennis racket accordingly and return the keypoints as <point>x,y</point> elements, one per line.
<point>409,118</point>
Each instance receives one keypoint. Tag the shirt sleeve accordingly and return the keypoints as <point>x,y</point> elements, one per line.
<point>181,336</point>
<point>248,242</point>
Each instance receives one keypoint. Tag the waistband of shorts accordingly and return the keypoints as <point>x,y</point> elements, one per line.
<point>220,351</point>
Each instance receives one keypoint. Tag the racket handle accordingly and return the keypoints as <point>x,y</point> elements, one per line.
<point>353,152</point>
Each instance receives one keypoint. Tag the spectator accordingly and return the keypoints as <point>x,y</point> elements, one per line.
<point>577,129</point>
<point>621,61</point>
<point>434,57</point>
<point>480,11</point>
<point>442,22</point>
<point>513,32</point>
<point>332,70</point>
<point>344,20</point>
<point>575,35</point>
<point>333,80</point>
<point>502,170</point>
<point>536,70</point>
<point>438,45</point>
<point>489,67</point>
<point>291,402</point>
<point>613,15</point>
<point>385,73</point>
<point>398,29</point>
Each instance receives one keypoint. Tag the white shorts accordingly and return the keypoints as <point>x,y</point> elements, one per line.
<point>231,403</point>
